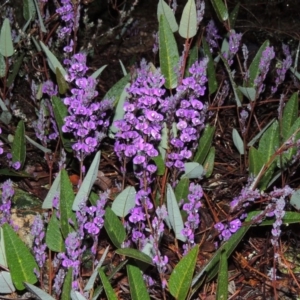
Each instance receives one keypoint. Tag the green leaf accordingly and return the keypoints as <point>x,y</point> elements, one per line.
<point>222,287</point>
<point>38,292</point>
<point>3,259</point>
<point>2,66</point>
<point>54,238</point>
<point>6,45</point>
<point>289,116</point>
<point>61,82</point>
<point>5,116</point>
<point>233,15</point>
<point>41,23</point>
<point>60,112</point>
<point>67,287</point>
<point>254,67</point>
<point>164,9</point>
<point>15,70</point>
<point>269,142</point>
<point>119,110</point>
<point>188,21</point>
<point>220,9</point>
<point>37,145</point>
<point>174,214</point>
<point>114,228</point>
<point>257,137</point>
<point>124,202</point>
<point>192,58</point>
<point>65,205</point>
<point>117,89</point>
<point>138,289</point>
<point>77,296</point>
<point>211,72</point>
<point>11,173</point>
<point>54,191</point>
<point>192,170</point>
<point>238,142</point>
<point>20,261</point>
<point>98,72</point>
<point>29,10</point>
<point>168,53</point>
<point>255,161</point>
<point>205,143</point>
<point>88,182</point>
<point>160,164</point>
<point>181,277</point>
<point>18,148</point>
<point>290,217</point>
<point>209,162</point>
<point>53,61</point>
<point>136,254</point>
<point>182,189</point>
<point>249,92</point>
<point>110,294</point>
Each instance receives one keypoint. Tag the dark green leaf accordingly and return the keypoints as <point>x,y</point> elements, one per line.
<point>110,294</point>
<point>136,254</point>
<point>138,289</point>
<point>289,116</point>
<point>222,287</point>
<point>10,172</point>
<point>220,9</point>
<point>6,45</point>
<point>233,15</point>
<point>15,71</point>
<point>54,239</point>
<point>29,10</point>
<point>160,164</point>
<point>20,261</point>
<point>192,58</point>
<point>67,287</point>
<point>182,189</point>
<point>61,82</point>
<point>255,161</point>
<point>209,162</point>
<point>114,228</point>
<point>65,205</point>
<point>181,277</point>
<point>168,53</point>
<point>19,146</point>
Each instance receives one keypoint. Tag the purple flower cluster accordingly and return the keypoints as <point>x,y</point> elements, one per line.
<point>228,229</point>
<point>5,207</point>
<point>72,257</point>
<point>189,117</point>
<point>243,118</point>
<point>284,66</point>
<point>1,144</point>
<point>212,35</point>
<point>193,218</point>
<point>39,249</point>
<point>264,65</point>
<point>88,119</point>
<point>90,220</point>
<point>234,44</point>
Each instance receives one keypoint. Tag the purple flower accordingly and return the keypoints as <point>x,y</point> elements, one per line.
<point>5,207</point>
<point>212,35</point>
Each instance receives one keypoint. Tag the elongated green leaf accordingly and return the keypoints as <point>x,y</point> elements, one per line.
<point>211,72</point>
<point>257,137</point>
<point>20,261</point>
<point>67,287</point>
<point>124,202</point>
<point>77,296</point>
<point>61,82</point>
<point>53,61</point>
<point>238,142</point>
<point>38,292</point>
<point>254,66</point>
<point>220,9</point>
<point>2,66</point>
<point>138,289</point>
<point>288,155</point>
<point>98,72</point>
<point>88,182</point>
<point>41,23</point>
<point>6,45</point>
<point>248,92</point>
<point>160,164</point>
<point>174,214</point>
<point>37,145</point>
<point>54,238</point>
<point>136,254</point>
<point>5,116</point>
<point>222,287</point>
<point>110,294</point>
<point>164,9</point>
<point>119,110</point>
<point>15,71</point>
<point>233,15</point>
<point>54,190</point>
<point>65,205</point>
<point>209,162</point>
<point>60,112</point>
<point>19,146</point>
<point>3,260</point>
<point>192,170</point>
<point>204,144</point>
<point>192,58</point>
<point>29,10</point>
<point>114,228</point>
<point>255,161</point>
<point>188,21</point>
<point>182,189</point>
<point>181,277</point>
<point>269,142</point>
<point>289,116</point>
<point>168,53</point>
<point>6,284</point>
